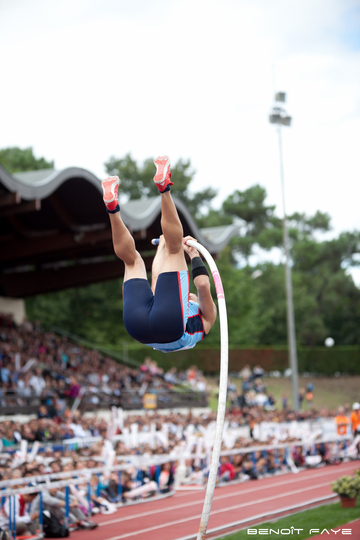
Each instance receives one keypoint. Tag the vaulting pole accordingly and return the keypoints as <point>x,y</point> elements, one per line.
<point>224,362</point>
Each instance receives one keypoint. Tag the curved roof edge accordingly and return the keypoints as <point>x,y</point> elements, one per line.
<point>40,184</point>
<point>136,214</point>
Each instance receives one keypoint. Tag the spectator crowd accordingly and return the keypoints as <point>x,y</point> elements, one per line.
<point>57,371</point>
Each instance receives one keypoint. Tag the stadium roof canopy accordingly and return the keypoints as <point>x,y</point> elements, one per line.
<point>55,233</point>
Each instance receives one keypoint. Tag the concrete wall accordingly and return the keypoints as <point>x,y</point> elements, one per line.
<point>14,307</point>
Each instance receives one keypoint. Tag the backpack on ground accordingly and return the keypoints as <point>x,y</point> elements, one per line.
<point>52,526</point>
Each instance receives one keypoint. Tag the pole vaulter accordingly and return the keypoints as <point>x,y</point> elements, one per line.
<point>157,315</point>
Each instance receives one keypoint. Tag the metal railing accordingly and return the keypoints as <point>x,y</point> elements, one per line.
<point>93,401</point>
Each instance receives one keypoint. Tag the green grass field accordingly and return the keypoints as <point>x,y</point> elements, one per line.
<point>328,517</point>
<point>330,392</point>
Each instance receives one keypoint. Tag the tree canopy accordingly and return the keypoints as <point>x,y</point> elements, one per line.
<point>16,159</point>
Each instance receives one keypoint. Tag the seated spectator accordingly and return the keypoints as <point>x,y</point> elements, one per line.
<point>258,372</point>
<point>74,388</point>
<point>8,438</point>
<point>246,385</point>
<point>270,403</point>
<point>342,422</point>
<point>26,524</point>
<point>309,396</point>
<point>41,432</point>
<point>54,499</point>
<point>355,419</point>
<point>298,456</point>
<point>237,464</point>
<point>259,386</point>
<point>272,465</point>
<point>37,381</point>
<point>131,490</point>
<point>248,468</point>
<point>23,385</point>
<point>246,372</point>
<point>43,412</point>
<point>226,470</point>
<point>166,478</point>
<point>145,367</point>
<point>260,399</point>
<point>99,496</point>
<point>261,464</point>
<point>170,376</point>
<point>56,466</point>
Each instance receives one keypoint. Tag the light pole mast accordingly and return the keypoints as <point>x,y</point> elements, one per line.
<point>279,117</point>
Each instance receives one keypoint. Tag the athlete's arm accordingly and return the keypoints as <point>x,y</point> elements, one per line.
<point>206,303</point>
<point>202,284</point>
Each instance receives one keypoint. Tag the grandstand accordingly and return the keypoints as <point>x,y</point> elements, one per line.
<point>55,233</point>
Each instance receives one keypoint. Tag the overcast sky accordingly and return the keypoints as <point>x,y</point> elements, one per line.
<point>86,79</point>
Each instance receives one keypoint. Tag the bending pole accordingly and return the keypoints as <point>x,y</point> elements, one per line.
<point>224,361</point>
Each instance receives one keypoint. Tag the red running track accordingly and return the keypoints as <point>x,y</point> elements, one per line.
<point>234,507</point>
<point>349,529</point>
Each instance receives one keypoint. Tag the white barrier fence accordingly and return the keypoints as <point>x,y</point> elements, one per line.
<point>133,437</point>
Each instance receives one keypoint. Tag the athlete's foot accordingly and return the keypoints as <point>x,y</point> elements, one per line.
<point>162,177</point>
<point>110,188</point>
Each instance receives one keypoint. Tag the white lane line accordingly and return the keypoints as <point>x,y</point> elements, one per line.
<point>220,511</point>
<point>261,516</point>
<point>216,498</point>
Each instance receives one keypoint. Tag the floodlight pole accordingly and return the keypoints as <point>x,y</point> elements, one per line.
<point>289,291</point>
<point>280,118</point>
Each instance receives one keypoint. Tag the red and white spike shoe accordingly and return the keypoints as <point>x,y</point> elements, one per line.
<point>162,177</point>
<point>110,188</point>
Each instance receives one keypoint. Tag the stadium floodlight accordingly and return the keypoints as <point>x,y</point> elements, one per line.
<point>280,96</point>
<point>275,118</point>
<point>286,121</point>
<point>280,117</point>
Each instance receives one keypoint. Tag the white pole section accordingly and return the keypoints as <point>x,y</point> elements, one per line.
<point>224,361</point>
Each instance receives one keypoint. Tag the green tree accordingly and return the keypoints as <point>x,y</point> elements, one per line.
<point>246,319</point>
<point>261,226</point>
<point>93,312</point>
<point>319,272</point>
<point>214,218</point>
<point>16,159</point>
<point>326,300</point>
<point>323,268</point>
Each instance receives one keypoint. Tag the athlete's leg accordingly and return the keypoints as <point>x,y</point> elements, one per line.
<point>124,247</point>
<point>123,242</point>
<point>174,258</point>
<point>158,263</point>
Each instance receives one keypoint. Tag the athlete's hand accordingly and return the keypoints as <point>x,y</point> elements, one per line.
<point>192,252</point>
<point>161,245</point>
